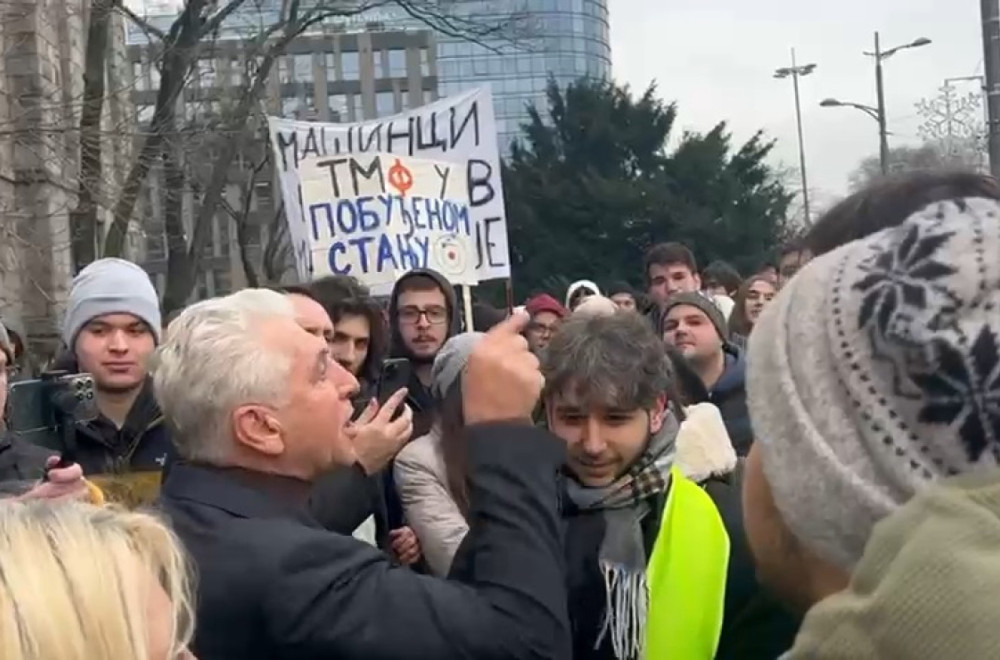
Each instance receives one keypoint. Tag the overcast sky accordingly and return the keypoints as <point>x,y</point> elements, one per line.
<point>716,58</point>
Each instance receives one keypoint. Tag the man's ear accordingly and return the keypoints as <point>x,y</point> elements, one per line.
<point>659,414</point>
<point>258,429</point>
<point>697,281</point>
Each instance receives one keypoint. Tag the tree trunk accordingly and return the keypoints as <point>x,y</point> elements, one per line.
<point>278,247</point>
<point>83,219</point>
<point>179,57</point>
<point>249,271</point>
<point>180,283</point>
<point>173,216</point>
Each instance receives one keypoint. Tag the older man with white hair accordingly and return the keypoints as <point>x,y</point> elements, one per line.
<point>259,408</point>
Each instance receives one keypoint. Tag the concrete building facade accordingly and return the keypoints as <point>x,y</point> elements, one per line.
<point>42,51</point>
<point>332,74</point>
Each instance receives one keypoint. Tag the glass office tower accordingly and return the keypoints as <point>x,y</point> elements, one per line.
<point>567,39</point>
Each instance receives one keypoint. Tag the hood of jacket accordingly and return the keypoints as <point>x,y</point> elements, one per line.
<point>925,586</point>
<point>580,284</point>
<point>397,348</point>
<point>704,449</point>
<point>734,377</point>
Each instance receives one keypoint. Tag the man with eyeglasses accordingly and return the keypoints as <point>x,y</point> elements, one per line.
<point>423,314</point>
<point>546,315</point>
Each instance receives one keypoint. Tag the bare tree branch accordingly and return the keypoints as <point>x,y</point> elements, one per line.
<point>83,221</point>
<point>144,25</point>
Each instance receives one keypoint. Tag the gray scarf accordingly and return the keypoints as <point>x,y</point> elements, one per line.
<point>624,504</point>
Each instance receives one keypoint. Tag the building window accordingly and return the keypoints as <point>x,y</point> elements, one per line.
<point>385,103</point>
<point>206,73</point>
<point>425,62</point>
<point>223,283</point>
<point>302,65</point>
<point>397,64</point>
<point>139,75</point>
<point>156,245</point>
<point>337,104</point>
<point>144,113</point>
<point>235,72</point>
<point>289,106</point>
<point>330,64</point>
<point>284,72</point>
<point>350,66</point>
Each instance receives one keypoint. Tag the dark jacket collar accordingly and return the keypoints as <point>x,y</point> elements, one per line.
<point>142,416</point>
<point>734,376</point>
<point>242,493</point>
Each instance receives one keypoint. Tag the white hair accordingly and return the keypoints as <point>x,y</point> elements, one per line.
<point>212,361</point>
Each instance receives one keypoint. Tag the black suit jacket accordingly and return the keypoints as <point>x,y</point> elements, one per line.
<point>272,583</point>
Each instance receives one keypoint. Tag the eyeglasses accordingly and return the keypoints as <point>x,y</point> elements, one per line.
<point>434,315</point>
<point>542,329</point>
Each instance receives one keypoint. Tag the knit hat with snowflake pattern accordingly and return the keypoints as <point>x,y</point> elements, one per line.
<point>876,371</point>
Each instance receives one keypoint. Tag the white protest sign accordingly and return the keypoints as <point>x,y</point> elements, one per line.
<point>376,216</point>
<point>458,130</point>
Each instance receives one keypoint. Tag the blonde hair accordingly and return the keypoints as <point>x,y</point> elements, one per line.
<point>75,582</point>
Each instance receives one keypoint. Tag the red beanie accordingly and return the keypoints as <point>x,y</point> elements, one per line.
<point>543,302</point>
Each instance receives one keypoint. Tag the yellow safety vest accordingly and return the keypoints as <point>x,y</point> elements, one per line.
<point>686,575</point>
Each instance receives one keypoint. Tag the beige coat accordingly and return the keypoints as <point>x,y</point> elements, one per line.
<point>926,586</point>
<point>427,502</point>
<point>703,450</point>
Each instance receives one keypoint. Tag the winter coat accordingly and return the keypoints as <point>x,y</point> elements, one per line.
<point>422,482</point>
<point>346,498</point>
<point>730,397</point>
<point>21,464</point>
<point>925,586</point>
<point>755,627</point>
<point>274,584</point>
<point>126,463</point>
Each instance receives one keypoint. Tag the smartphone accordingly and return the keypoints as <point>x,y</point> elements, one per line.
<point>394,376</point>
<point>35,408</point>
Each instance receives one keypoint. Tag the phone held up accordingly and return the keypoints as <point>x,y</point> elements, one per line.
<point>44,411</point>
<point>394,376</point>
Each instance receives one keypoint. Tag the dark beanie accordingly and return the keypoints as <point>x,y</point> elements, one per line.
<point>703,303</point>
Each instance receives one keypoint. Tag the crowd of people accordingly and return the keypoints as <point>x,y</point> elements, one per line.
<point>801,463</point>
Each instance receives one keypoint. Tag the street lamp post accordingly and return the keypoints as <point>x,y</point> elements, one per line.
<point>883,133</point>
<point>878,112</point>
<point>794,72</point>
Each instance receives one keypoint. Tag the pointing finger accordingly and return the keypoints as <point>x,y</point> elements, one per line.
<point>514,325</point>
<point>392,404</point>
<point>368,414</point>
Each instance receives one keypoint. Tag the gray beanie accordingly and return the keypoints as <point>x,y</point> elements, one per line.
<point>110,286</point>
<point>876,371</point>
<point>702,302</point>
<point>451,360</point>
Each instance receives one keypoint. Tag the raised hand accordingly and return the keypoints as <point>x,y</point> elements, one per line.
<point>377,437</point>
<point>502,380</point>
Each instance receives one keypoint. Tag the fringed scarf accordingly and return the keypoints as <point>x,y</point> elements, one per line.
<point>624,504</point>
